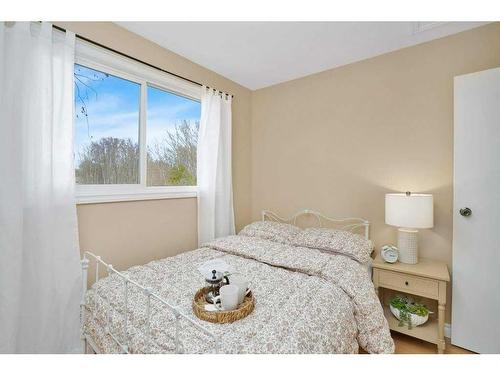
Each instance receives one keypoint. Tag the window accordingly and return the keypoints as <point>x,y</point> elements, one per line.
<point>172,135</point>
<point>106,128</point>
<point>136,129</point>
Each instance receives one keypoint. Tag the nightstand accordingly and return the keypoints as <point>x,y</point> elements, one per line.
<point>428,279</point>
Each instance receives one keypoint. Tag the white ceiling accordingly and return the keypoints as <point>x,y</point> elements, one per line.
<point>260,54</point>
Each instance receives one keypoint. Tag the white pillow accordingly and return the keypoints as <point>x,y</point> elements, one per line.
<point>272,231</point>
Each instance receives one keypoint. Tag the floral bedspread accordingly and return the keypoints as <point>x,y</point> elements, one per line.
<point>306,302</point>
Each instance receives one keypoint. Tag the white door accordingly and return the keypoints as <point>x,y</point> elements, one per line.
<point>476,232</point>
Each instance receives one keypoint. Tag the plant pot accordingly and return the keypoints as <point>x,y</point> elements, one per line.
<point>416,320</point>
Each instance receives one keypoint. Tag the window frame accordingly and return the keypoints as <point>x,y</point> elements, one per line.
<point>100,59</point>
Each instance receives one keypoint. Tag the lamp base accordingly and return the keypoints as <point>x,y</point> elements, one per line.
<point>408,245</point>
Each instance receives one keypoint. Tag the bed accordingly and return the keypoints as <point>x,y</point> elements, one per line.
<point>308,300</point>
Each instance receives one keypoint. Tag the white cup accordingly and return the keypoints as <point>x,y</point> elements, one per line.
<point>242,283</point>
<point>229,297</point>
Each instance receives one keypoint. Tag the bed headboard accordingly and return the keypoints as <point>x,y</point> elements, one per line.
<point>349,223</point>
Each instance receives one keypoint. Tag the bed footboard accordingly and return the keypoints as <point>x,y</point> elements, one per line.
<point>86,341</point>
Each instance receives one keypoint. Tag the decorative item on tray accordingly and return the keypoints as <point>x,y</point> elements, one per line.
<point>215,314</point>
<point>408,312</point>
<point>226,297</point>
<point>215,282</point>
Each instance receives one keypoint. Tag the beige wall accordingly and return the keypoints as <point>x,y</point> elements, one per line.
<point>339,140</point>
<point>131,233</point>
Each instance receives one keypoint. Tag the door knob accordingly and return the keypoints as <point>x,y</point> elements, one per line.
<point>466,211</point>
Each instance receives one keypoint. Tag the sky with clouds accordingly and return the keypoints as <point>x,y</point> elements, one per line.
<point>113,109</point>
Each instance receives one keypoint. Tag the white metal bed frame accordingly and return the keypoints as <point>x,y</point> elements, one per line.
<point>87,341</point>
<point>350,224</point>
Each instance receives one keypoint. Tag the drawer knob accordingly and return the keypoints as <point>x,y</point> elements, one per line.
<point>406,283</point>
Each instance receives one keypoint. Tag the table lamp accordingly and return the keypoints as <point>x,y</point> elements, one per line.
<point>409,212</point>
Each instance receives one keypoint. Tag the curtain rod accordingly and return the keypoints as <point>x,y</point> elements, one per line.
<point>136,59</point>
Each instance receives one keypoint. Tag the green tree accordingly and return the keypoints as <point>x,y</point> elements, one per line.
<point>109,161</point>
<point>171,160</point>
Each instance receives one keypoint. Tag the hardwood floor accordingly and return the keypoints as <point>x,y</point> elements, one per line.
<point>410,345</point>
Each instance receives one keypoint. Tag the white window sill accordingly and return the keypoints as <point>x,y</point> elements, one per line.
<point>88,194</point>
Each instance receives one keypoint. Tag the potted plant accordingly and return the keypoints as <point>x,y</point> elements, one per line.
<point>408,312</point>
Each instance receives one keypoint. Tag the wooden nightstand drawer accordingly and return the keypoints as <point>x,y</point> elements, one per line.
<point>409,283</point>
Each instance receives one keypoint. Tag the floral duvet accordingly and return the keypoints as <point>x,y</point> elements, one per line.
<point>307,301</point>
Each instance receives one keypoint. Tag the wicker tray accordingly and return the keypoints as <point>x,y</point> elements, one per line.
<point>245,308</point>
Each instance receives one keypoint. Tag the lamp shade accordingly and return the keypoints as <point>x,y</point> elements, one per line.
<point>409,210</point>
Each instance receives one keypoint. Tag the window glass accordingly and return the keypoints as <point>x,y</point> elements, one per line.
<point>172,136</point>
<point>106,128</point>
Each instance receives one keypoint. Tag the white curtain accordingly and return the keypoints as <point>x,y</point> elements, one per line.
<point>214,179</point>
<point>40,277</point>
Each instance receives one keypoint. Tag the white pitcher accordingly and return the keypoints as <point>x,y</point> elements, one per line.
<point>242,283</point>
<point>229,297</point>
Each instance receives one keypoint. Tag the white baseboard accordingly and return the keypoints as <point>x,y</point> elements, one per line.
<point>447,330</point>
